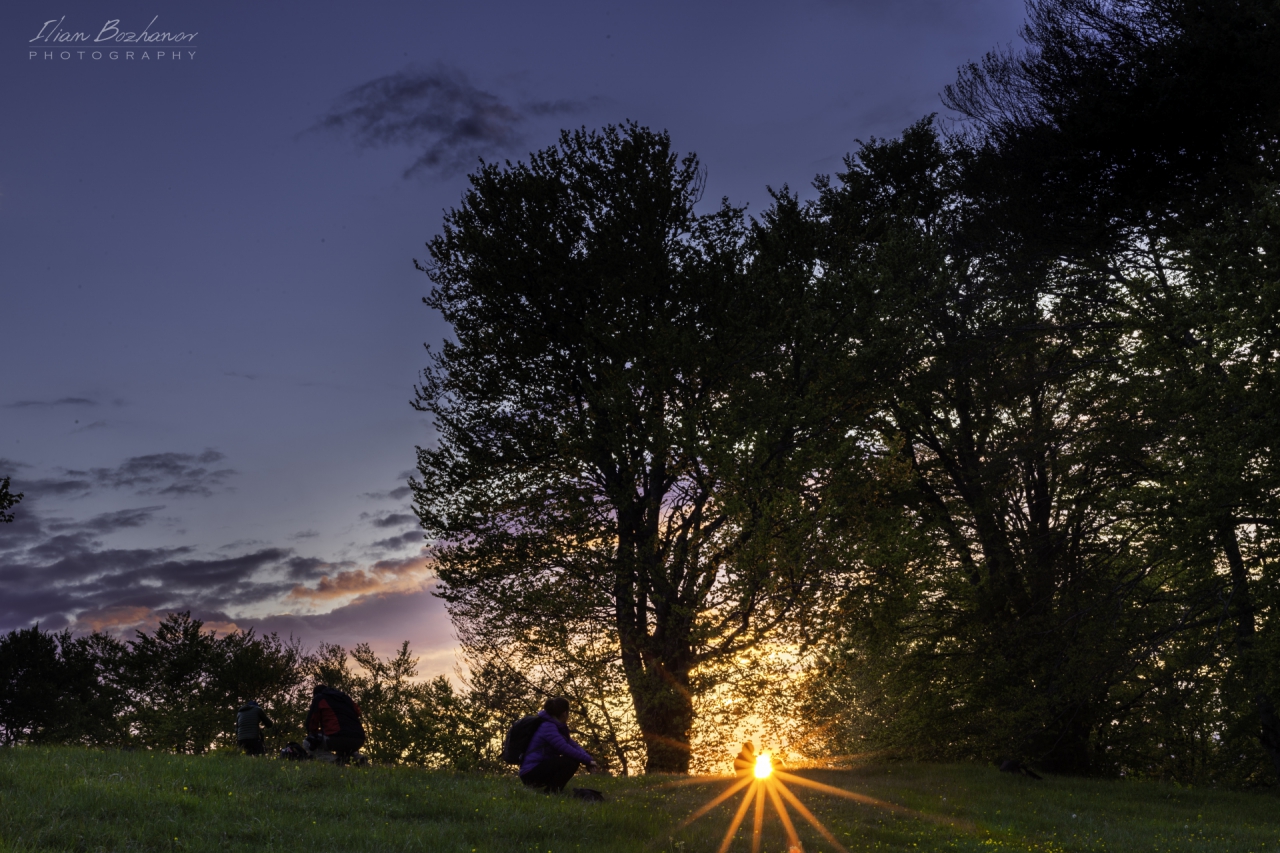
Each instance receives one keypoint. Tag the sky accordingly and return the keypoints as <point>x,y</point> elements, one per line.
<point>210,320</point>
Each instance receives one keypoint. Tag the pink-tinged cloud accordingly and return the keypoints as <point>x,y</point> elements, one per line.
<point>383,620</point>
<point>125,619</point>
<point>119,619</point>
<point>409,575</point>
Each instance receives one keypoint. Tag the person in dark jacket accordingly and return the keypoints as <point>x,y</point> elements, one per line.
<point>248,731</point>
<point>333,723</point>
<point>552,757</point>
<point>745,763</point>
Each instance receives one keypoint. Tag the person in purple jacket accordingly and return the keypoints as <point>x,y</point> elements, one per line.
<point>552,757</point>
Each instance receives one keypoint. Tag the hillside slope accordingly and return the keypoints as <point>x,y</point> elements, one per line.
<point>71,799</point>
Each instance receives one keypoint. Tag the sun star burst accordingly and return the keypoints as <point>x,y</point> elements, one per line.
<point>764,783</point>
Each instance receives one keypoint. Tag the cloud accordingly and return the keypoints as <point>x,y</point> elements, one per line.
<point>383,577</point>
<point>178,474</point>
<point>64,401</point>
<point>109,522</point>
<point>394,543</point>
<point>117,619</point>
<point>70,486</point>
<point>395,519</point>
<point>439,110</point>
<point>63,571</point>
<point>399,493</point>
<point>70,574</point>
<point>94,425</point>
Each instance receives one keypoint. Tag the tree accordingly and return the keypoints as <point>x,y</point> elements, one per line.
<point>1137,140</point>
<point>58,689</point>
<point>408,721</point>
<point>1008,586</point>
<point>185,684</point>
<point>598,472</point>
<point>8,500</point>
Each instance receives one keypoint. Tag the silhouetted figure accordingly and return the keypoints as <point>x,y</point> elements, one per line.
<point>333,723</point>
<point>249,720</point>
<point>1013,765</point>
<point>552,757</point>
<point>745,763</point>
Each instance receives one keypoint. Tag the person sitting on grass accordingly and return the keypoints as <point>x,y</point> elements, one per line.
<point>745,763</point>
<point>248,733</point>
<point>552,757</point>
<point>333,723</point>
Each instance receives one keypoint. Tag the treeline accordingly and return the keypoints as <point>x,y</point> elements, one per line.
<point>981,438</point>
<point>178,687</point>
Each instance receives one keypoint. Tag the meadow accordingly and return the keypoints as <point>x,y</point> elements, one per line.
<point>63,798</point>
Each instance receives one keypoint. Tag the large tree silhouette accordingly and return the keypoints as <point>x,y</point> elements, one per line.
<point>596,470</point>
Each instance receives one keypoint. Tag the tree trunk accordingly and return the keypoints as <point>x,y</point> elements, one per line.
<point>654,642</point>
<point>664,711</point>
<point>1246,629</point>
<point>1069,753</point>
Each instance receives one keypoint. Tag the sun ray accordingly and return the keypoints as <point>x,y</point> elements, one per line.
<point>809,816</point>
<point>792,838</point>
<point>717,801</point>
<point>692,780</point>
<point>737,817</point>
<point>872,801</point>
<point>757,823</point>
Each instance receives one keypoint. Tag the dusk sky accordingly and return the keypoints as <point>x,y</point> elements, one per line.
<point>210,321</point>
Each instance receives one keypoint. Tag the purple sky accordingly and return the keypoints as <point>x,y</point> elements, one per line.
<point>210,319</point>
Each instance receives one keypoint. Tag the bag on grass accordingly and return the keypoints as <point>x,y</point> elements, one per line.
<point>294,752</point>
<point>591,795</point>
<point>518,738</point>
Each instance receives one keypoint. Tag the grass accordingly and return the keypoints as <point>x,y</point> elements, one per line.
<point>73,799</point>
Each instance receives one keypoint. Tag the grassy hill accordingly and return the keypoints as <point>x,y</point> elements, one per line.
<point>70,799</point>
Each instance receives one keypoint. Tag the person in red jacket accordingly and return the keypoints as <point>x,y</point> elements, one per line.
<point>333,723</point>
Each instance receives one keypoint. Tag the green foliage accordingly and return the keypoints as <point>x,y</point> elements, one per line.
<point>601,479</point>
<point>55,688</point>
<point>8,500</point>
<point>185,684</point>
<point>408,720</point>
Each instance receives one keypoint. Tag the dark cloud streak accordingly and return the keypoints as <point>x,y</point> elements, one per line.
<point>64,401</point>
<point>454,121</point>
<point>177,474</point>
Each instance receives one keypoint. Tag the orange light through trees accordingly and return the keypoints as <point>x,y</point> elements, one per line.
<point>768,788</point>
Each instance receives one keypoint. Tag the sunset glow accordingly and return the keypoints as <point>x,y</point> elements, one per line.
<point>764,766</point>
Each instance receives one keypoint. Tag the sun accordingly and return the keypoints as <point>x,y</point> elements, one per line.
<point>765,787</point>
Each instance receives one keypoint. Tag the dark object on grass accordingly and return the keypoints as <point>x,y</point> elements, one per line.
<point>293,751</point>
<point>1013,765</point>
<point>590,795</point>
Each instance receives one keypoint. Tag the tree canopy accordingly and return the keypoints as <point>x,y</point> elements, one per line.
<point>599,470</point>
<point>982,432</point>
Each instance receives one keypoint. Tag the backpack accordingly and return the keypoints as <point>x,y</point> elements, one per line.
<point>344,709</point>
<point>294,752</point>
<point>519,737</point>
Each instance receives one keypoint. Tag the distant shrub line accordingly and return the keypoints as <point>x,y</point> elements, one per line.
<point>178,688</point>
